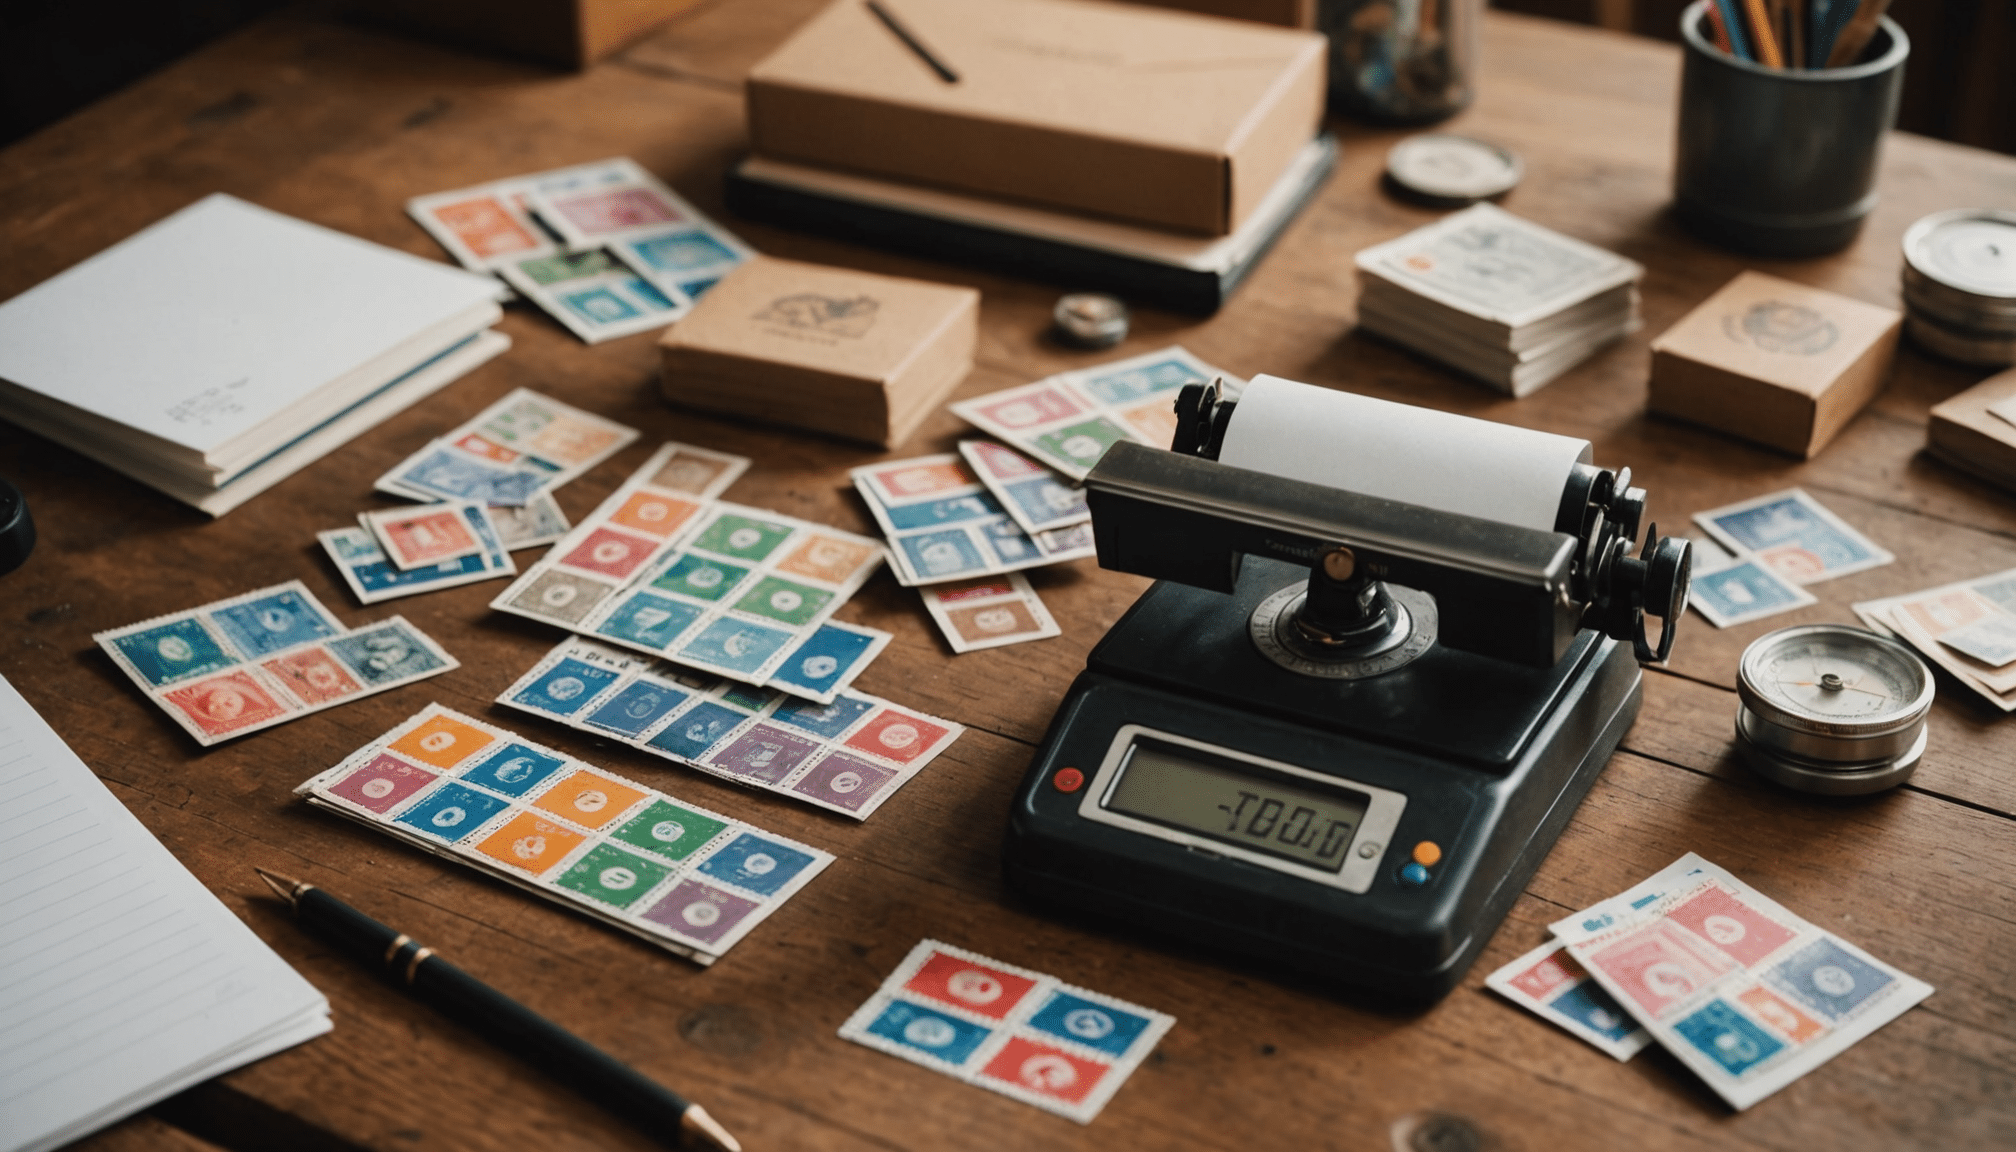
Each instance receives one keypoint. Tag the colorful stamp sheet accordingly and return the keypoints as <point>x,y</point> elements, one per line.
<point>264,658</point>
<point>523,444</point>
<point>1017,1032</point>
<point>687,879</point>
<point>1038,498</point>
<point>1550,984</point>
<point>943,524</point>
<point>1746,994</point>
<point>1067,421</point>
<point>605,248</point>
<point>1967,628</point>
<point>847,756</point>
<point>372,576</point>
<point>1794,535</point>
<point>989,612</point>
<point>664,568</point>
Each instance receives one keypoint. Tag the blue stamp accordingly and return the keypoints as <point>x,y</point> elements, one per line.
<point>380,575</point>
<point>455,476</point>
<point>385,654</point>
<point>513,770</point>
<point>638,706</point>
<point>929,1031</point>
<point>1044,500</point>
<point>683,251</point>
<point>1744,590</point>
<point>735,644</point>
<point>1829,978</point>
<point>942,553</point>
<point>697,730</point>
<point>648,292</point>
<point>565,687</point>
<point>452,811</point>
<point>1728,1037</point>
<point>173,652</point>
<point>650,620</point>
<point>1791,520</point>
<point>1094,1025</point>
<point>600,306</point>
<point>931,513</point>
<point>827,720</point>
<point>1588,1004</point>
<point>701,578</point>
<point>1134,383</point>
<point>824,657</point>
<point>271,623</point>
<point>1010,543</point>
<point>759,865</point>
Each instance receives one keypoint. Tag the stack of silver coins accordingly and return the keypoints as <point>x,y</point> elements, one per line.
<point>1960,285</point>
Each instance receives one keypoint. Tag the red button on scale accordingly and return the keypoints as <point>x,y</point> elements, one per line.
<point>1068,780</point>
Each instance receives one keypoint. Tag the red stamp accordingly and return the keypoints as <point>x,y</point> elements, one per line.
<point>910,481</point>
<point>314,676</point>
<point>1037,406</point>
<point>422,538</point>
<point>380,785</point>
<point>611,553</point>
<point>897,736</point>
<point>478,445</point>
<point>1044,1070</point>
<point>1660,965</point>
<point>1553,970</point>
<point>614,211</point>
<point>486,227</point>
<point>1731,925</point>
<point>974,987</point>
<point>224,704</point>
<point>985,589</point>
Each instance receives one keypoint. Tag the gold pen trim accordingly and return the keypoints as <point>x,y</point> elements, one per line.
<point>413,965</point>
<point>392,951</point>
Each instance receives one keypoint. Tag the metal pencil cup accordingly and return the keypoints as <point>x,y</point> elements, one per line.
<point>1781,162</point>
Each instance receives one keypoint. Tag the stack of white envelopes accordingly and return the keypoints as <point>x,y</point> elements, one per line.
<point>1497,297</point>
<point>224,348</point>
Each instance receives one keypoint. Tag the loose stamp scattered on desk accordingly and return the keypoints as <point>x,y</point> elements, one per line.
<point>942,523</point>
<point>848,756</point>
<point>523,444</point>
<point>1745,993</point>
<point>1794,535</point>
<point>989,612</point>
<point>428,536</point>
<point>372,576</point>
<point>1008,1029</point>
<point>1038,498</point>
<point>664,568</point>
<point>689,880</point>
<point>1742,590</point>
<point>537,521</point>
<point>263,658</point>
<point>1067,421</point>
<point>1549,983</point>
<point>1966,628</point>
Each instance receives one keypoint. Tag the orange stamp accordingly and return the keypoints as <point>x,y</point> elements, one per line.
<point>589,799</point>
<point>442,742</point>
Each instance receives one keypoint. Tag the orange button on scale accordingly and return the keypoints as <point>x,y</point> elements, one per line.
<point>1427,853</point>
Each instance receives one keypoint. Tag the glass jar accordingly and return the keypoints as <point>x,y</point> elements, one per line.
<point>1401,61</point>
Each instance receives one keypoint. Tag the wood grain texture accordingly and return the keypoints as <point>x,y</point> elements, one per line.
<point>340,125</point>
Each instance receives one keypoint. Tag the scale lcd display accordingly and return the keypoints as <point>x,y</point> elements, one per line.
<point>1208,795</point>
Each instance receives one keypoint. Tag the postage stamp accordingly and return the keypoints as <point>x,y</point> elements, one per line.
<point>943,524</point>
<point>689,880</point>
<point>988,612</point>
<point>373,577</point>
<point>426,536</point>
<point>1011,1030</point>
<point>1794,535</point>
<point>1742,591</point>
<point>1036,497</point>
<point>524,443</point>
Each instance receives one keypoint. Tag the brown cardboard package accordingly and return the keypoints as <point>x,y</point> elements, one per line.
<point>570,33</point>
<point>1287,13</point>
<point>853,354</point>
<point>1163,118</point>
<point>1964,433</point>
<point>1775,362</point>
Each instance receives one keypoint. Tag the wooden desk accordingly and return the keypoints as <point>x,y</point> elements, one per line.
<point>340,126</point>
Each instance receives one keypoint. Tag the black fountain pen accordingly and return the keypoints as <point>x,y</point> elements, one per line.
<point>475,1005</point>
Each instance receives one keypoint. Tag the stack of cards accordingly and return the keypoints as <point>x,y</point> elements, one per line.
<point>943,524</point>
<point>691,881</point>
<point>1774,545</point>
<point>1067,421</point>
<point>402,551</point>
<point>604,248</point>
<point>512,454</point>
<point>1016,1032</point>
<point>1968,628</point>
<point>264,658</point>
<point>666,569</point>
<point>847,755</point>
<point>1500,298</point>
<point>1743,992</point>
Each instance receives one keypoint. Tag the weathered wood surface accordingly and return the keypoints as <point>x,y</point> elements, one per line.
<point>340,126</point>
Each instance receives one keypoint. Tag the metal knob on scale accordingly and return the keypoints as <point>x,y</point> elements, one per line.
<point>1832,709</point>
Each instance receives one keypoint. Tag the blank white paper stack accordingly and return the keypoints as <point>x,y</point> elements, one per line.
<point>122,979</point>
<point>226,347</point>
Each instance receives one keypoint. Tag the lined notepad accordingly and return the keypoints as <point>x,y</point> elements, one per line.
<point>122,979</point>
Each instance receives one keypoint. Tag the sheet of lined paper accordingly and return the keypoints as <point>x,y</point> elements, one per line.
<point>122,979</point>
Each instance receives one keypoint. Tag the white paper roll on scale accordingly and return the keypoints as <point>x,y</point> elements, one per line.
<point>1400,452</point>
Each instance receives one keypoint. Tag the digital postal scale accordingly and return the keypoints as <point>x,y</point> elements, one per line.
<point>1390,651</point>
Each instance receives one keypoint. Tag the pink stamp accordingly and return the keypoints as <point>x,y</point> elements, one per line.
<point>225,704</point>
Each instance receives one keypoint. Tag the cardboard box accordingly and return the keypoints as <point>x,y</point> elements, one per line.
<point>1163,118</point>
<point>1287,13</point>
<point>1774,362</point>
<point>853,354</point>
<point>1975,431</point>
<point>569,33</point>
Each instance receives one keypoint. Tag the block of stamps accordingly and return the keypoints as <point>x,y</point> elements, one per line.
<point>1067,421</point>
<point>523,444</point>
<point>1038,498</point>
<point>943,524</point>
<point>847,755</point>
<point>1743,992</point>
<point>1549,983</point>
<point>263,658</point>
<point>373,577</point>
<point>988,612</point>
<point>1794,535</point>
<point>690,880</point>
<point>1011,1030</point>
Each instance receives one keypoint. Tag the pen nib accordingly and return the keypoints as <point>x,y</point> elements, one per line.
<point>284,887</point>
<point>703,1131</point>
